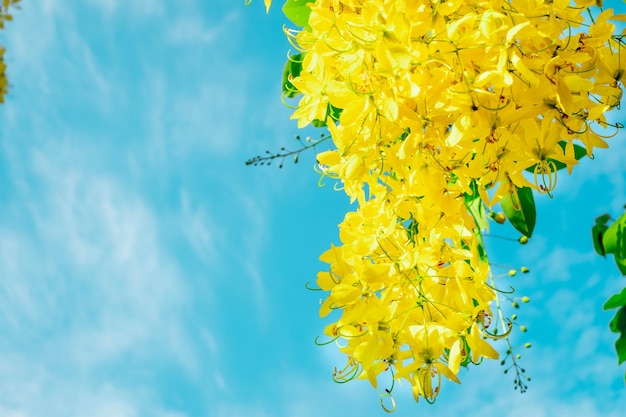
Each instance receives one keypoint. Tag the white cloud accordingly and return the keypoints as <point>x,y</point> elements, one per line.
<point>137,8</point>
<point>555,262</point>
<point>60,40</point>
<point>33,391</point>
<point>198,228</point>
<point>202,117</point>
<point>6,412</point>
<point>85,284</point>
<point>557,265</point>
<point>249,254</point>
<point>107,7</point>
<point>238,410</point>
<point>106,238</point>
<point>192,30</point>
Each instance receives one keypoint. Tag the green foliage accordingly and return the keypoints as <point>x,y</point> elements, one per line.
<point>332,112</point>
<point>297,11</point>
<point>597,231</point>
<point>616,300</point>
<point>475,205</point>
<point>519,207</point>
<point>610,239</point>
<point>618,323</point>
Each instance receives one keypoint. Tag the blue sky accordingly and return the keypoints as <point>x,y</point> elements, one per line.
<point>146,271</point>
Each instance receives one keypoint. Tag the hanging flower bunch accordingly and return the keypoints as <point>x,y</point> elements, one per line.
<point>438,110</point>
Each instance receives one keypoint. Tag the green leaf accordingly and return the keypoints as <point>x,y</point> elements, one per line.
<point>620,347</point>
<point>618,322</point>
<point>614,241</point>
<point>476,207</point>
<point>618,325</point>
<point>519,207</point>
<point>467,359</point>
<point>616,300</point>
<point>621,265</point>
<point>331,111</point>
<point>579,153</point>
<point>293,68</point>
<point>297,11</point>
<point>597,232</point>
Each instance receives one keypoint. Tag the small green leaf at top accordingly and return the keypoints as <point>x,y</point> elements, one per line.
<point>298,12</point>
<point>519,207</point>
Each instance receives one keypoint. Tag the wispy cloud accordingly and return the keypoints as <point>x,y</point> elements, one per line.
<point>34,391</point>
<point>137,8</point>
<point>194,31</point>
<point>199,229</point>
<point>96,287</point>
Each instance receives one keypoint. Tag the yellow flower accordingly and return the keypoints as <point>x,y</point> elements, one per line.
<point>438,102</point>
<point>479,346</point>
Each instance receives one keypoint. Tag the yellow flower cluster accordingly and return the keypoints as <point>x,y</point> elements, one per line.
<point>432,105</point>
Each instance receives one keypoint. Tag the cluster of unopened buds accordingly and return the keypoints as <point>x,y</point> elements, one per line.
<point>439,110</point>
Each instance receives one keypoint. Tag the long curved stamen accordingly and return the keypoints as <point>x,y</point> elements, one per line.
<point>617,127</point>
<point>325,37</point>
<point>348,373</point>
<point>547,170</point>
<point>393,403</point>
<point>324,343</point>
<point>495,336</point>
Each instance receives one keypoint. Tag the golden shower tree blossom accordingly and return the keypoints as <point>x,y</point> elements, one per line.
<point>438,109</point>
